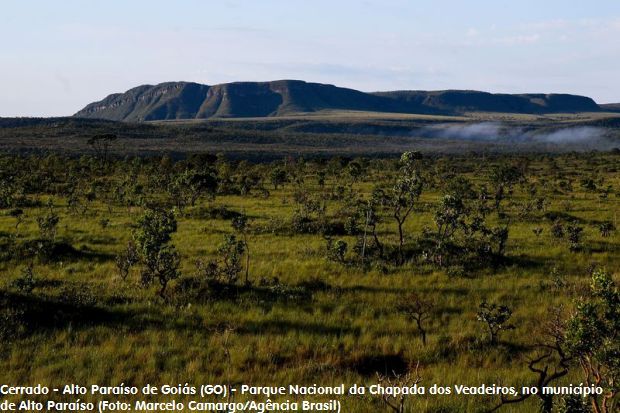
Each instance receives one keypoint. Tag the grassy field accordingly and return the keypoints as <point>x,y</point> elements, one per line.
<point>303,318</point>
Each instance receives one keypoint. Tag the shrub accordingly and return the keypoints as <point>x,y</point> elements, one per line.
<point>336,251</point>
<point>12,321</point>
<point>104,223</point>
<point>127,259</point>
<point>48,224</point>
<point>207,271</point>
<point>606,228</point>
<point>26,282</point>
<point>573,404</point>
<point>557,229</point>
<point>574,236</point>
<point>160,260</point>
<point>231,253</point>
<point>18,214</point>
<point>593,337</point>
<point>79,296</point>
<point>496,318</point>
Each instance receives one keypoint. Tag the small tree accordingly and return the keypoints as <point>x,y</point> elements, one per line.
<point>557,229</point>
<point>8,191</point>
<point>355,171</point>
<point>405,193</point>
<point>241,225</point>
<point>593,337</point>
<point>152,237</point>
<point>336,251</point>
<point>504,177</point>
<point>188,186</point>
<point>101,145</point>
<point>18,214</point>
<point>277,177</point>
<point>574,236</point>
<point>26,282</point>
<point>417,309</point>
<point>208,271</point>
<point>574,404</point>
<point>48,223</point>
<point>551,363</point>
<point>320,178</point>
<point>127,259</point>
<point>163,268</point>
<point>449,217</point>
<point>154,230</point>
<point>409,379</point>
<point>373,219</point>
<point>231,251</point>
<point>499,235</point>
<point>368,211</point>
<point>202,183</point>
<point>496,318</point>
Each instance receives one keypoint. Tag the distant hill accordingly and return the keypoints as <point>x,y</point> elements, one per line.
<point>611,107</point>
<point>475,101</point>
<point>186,100</point>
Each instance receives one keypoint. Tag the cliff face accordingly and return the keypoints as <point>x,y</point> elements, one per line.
<point>475,101</point>
<point>185,100</point>
<point>173,100</point>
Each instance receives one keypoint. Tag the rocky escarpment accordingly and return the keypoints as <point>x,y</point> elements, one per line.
<point>186,100</point>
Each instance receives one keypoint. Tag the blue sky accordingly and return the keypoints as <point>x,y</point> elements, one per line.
<point>58,56</point>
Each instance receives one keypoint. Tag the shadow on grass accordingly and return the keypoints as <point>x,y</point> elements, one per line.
<point>27,315</point>
<point>284,327</point>
<point>524,262</point>
<point>194,290</point>
<point>449,349</point>
<point>371,365</point>
<point>55,251</point>
<point>601,247</point>
<point>566,217</point>
<point>368,289</point>
<point>47,283</point>
<point>443,289</point>
<point>31,314</point>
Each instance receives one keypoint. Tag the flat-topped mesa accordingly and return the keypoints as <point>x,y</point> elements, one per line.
<point>187,100</point>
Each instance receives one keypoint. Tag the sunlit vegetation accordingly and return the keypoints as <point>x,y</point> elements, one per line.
<point>415,269</point>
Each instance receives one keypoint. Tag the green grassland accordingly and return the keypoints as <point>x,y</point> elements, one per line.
<point>310,319</point>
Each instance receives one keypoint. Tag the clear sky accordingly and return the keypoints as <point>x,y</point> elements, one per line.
<point>57,56</point>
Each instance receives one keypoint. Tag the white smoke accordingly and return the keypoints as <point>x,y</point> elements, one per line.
<point>583,134</point>
<point>484,131</point>
<point>579,136</point>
